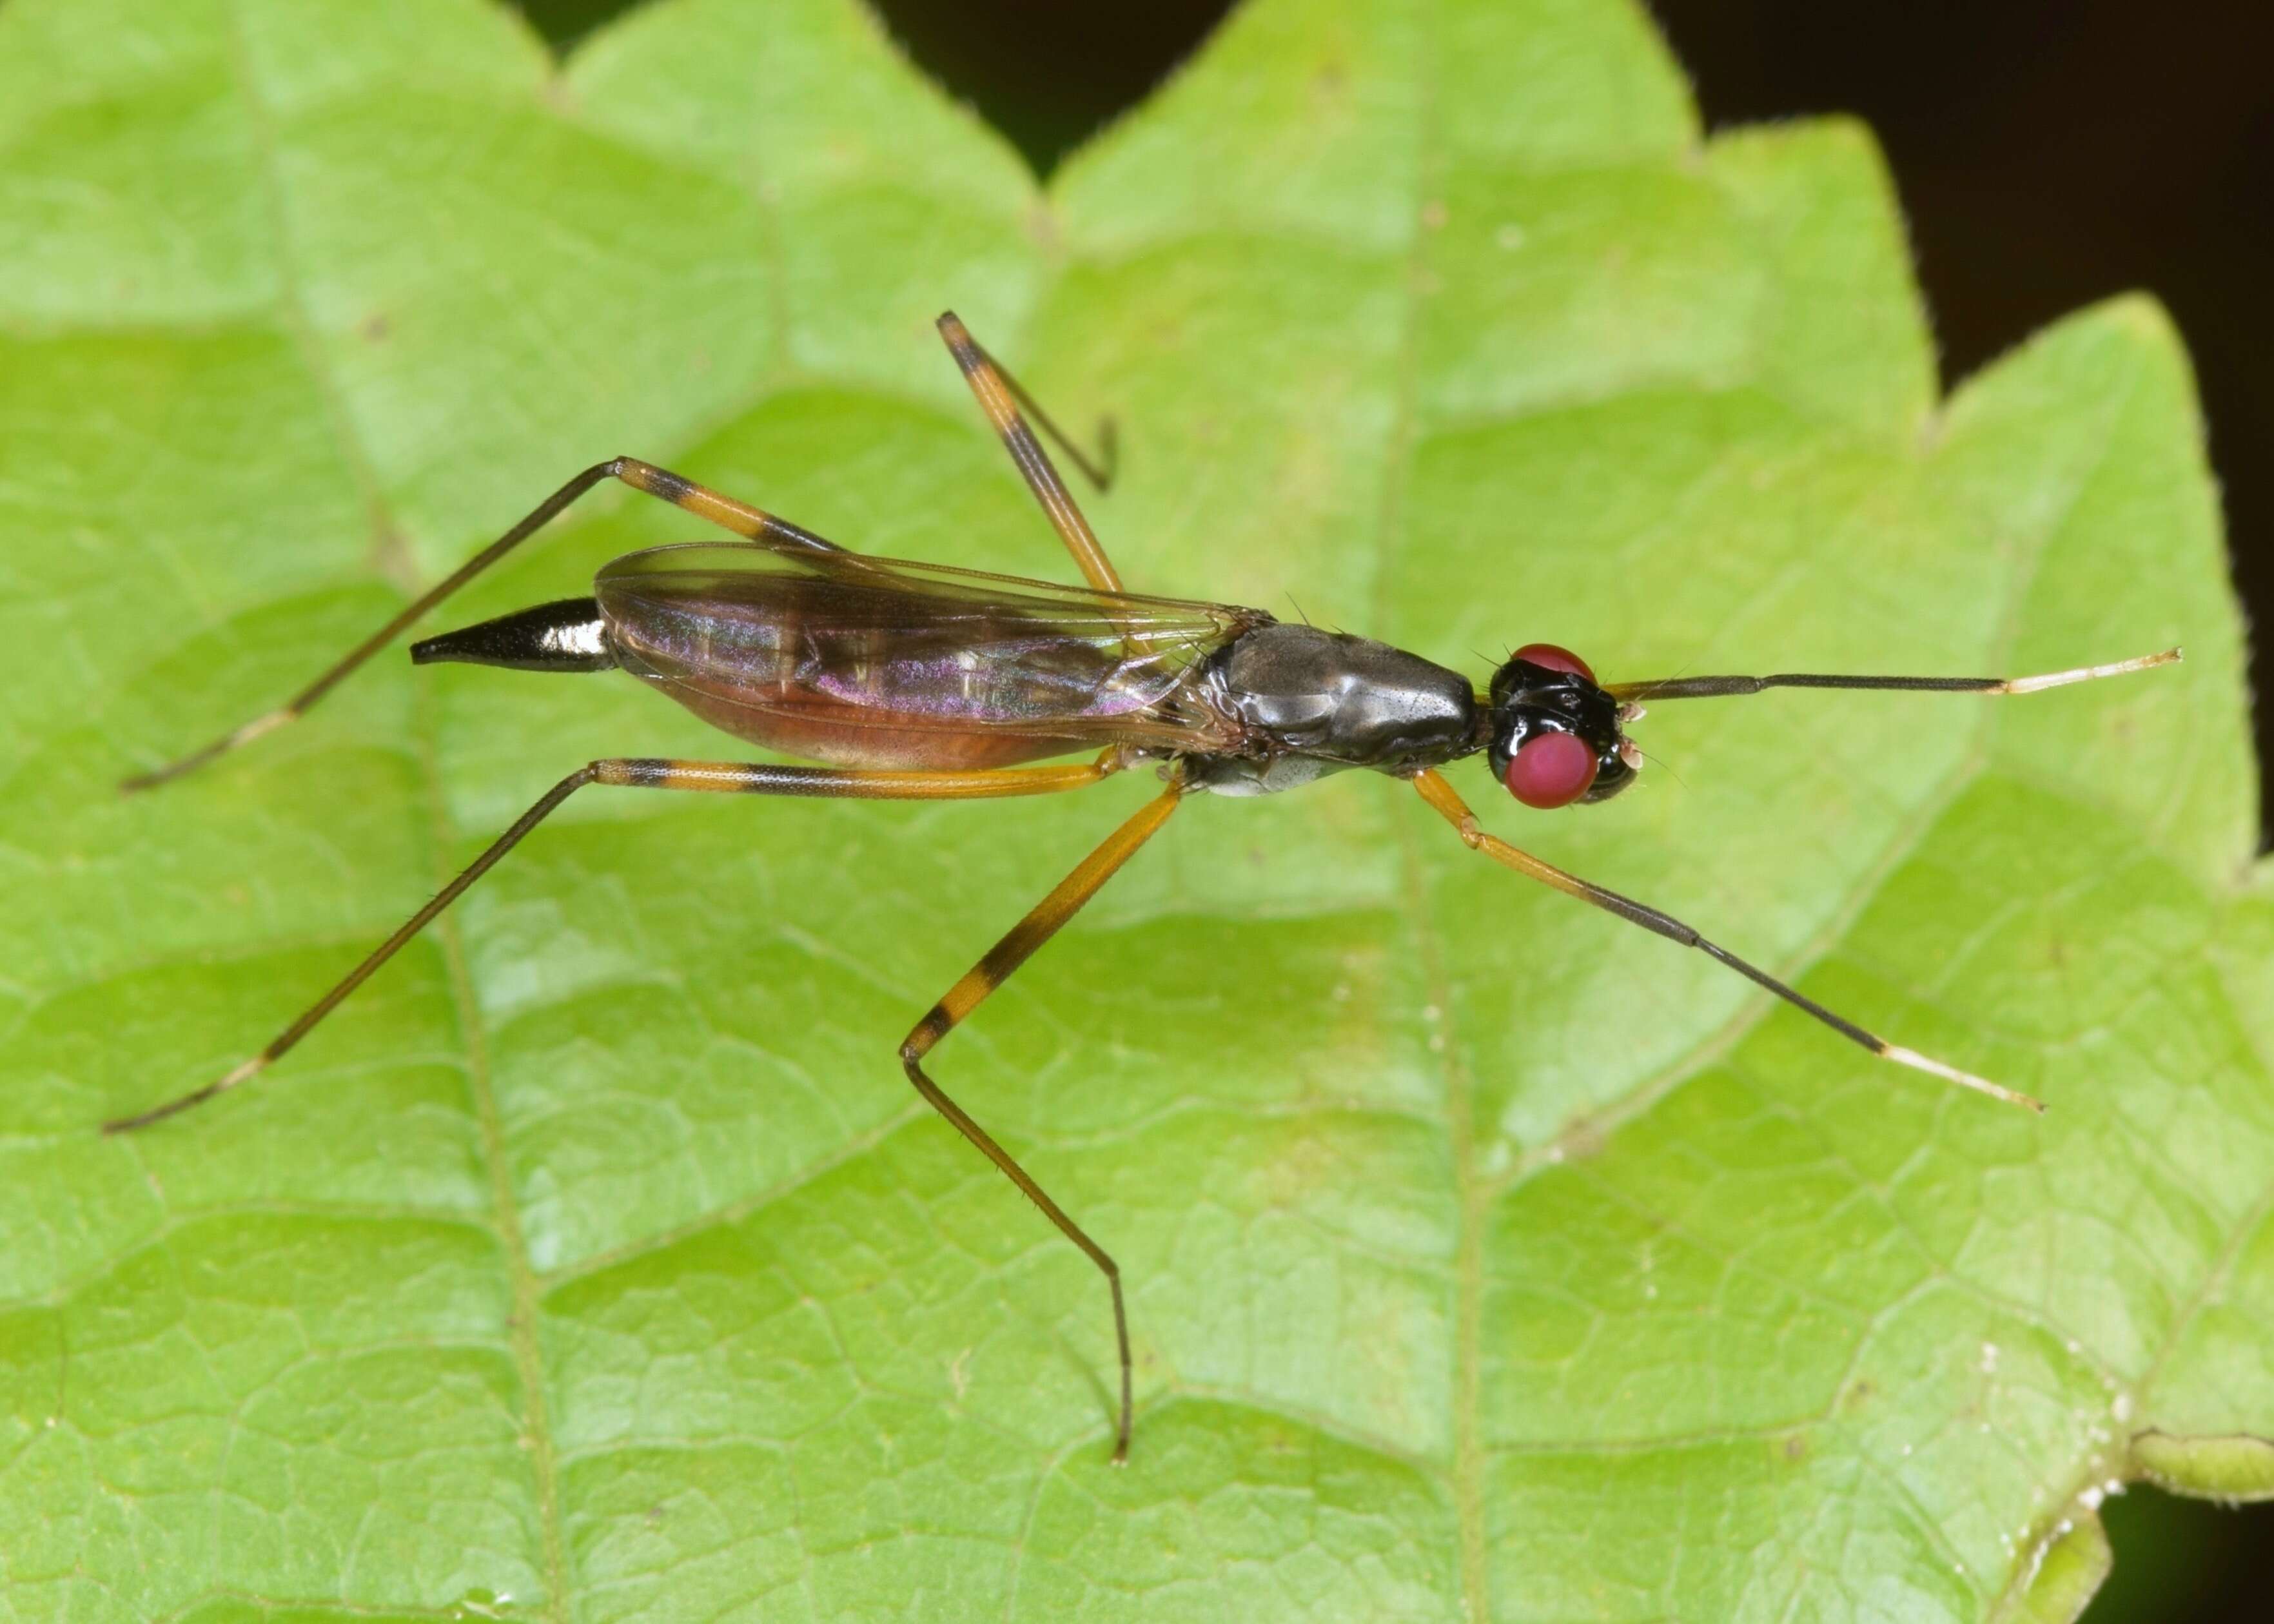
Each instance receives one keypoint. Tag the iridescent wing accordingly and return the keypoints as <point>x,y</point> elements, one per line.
<point>853,658</point>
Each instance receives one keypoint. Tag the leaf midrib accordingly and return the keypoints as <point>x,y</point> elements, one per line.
<point>505,1218</point>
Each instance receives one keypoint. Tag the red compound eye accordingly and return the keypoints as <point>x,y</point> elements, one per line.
<point>1555,659</point>
<point>1550,769</point>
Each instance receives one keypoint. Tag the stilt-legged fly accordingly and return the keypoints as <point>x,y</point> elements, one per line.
<point>916,681</point>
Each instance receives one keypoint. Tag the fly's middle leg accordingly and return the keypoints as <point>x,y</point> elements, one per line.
<point>1000,397</point>
<point>991,972</point>
<point>646,772</point>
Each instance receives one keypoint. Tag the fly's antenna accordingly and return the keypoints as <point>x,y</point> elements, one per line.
<point>1717,687</point>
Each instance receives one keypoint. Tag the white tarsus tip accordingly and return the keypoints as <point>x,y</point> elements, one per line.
<point>257,726</point>
<point>2085,673</point>
<point>247,1071</point>
<point>1965,1079</point>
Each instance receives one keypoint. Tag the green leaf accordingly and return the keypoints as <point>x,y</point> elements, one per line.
<point>1486,1255</point>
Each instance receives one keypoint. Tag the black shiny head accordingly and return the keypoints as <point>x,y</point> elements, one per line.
<point>1545,691</point>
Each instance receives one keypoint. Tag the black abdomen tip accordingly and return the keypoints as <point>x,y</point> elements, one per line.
<point>567,635</point>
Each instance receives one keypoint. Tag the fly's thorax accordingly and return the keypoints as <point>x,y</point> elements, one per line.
<point>1255,774</point>
<point>1310,701</point>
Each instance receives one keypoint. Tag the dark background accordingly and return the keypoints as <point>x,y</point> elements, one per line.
<point>2049,152</point>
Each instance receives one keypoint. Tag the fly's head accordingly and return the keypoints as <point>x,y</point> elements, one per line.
<point>1555,737</point>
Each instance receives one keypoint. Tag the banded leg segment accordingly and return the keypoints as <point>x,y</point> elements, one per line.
<point>723,511</point>
<point>1000,397</point>
<point>641,772</point>
<point>983,978</point>
<point>1449,806</point>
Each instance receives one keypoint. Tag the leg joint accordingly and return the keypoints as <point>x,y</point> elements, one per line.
<point>659,482</point>
<point>629,772</point>
<point>592,772</point>
<point>934,1026</point>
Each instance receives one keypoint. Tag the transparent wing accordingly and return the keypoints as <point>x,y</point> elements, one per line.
<point>768,643</point>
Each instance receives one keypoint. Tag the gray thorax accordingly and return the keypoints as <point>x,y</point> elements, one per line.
<point>1315,702</point>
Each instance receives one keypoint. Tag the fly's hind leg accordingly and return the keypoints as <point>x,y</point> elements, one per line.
<point>983,978</point>
<point>1000,397</point>
<point>642,772</point>
<point>751,524</point>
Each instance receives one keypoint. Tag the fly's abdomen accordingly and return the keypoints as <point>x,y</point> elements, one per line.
<point>860,667</point>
